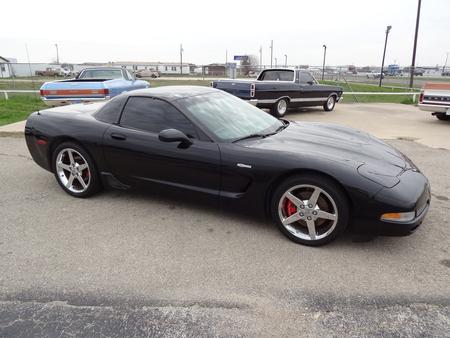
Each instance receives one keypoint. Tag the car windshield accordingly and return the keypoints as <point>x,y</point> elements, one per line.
<point>230,118</point>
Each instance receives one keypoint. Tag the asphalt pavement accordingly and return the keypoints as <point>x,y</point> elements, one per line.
<point>134,263</point>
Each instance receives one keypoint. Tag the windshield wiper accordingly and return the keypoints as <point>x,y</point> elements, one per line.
<point>251,136</point>
<point>280,128</point>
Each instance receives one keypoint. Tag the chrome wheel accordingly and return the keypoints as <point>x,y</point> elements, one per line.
<point>308,212</point>
<point>75,170</point>
<point>310,209</point>
<point>279,109</point>
<point>330,103</point>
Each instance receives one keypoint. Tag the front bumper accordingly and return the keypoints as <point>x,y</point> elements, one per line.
<point>412,193</point>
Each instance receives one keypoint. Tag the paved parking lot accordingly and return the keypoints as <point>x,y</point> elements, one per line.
<point>126,263</point>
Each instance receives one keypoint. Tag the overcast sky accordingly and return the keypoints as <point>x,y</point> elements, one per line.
<point>214,32</point>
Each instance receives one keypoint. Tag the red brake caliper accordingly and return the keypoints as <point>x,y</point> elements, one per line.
<point>289,207</point>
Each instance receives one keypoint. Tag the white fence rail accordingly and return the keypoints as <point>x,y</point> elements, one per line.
<point>17,91</point>
<point>345,93</point>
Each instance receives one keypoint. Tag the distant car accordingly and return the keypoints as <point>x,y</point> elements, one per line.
<point>374,74</point>
<point>418,72</point>
<point>147,73</point>
<point>446,72</point>
<point>313,179</point>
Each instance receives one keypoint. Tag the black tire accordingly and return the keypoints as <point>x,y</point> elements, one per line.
<point>310,209</point>
<point>280,108</point>
<point>443,117</point>
<point>75,170</point>
<point>330,103</point>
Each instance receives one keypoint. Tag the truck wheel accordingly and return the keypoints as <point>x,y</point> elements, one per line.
<point>279,109</point>
<point>443,117</point>
<point>329,104</point>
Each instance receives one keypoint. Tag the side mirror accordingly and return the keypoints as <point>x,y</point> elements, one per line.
<point>174,135</point>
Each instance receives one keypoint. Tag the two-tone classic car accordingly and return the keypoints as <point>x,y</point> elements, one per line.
<point>279,89</point>
<point>90,85</point>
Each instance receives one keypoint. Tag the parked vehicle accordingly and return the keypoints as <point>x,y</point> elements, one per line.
<point>90,85</point>
<point>446,72</point>
<point>374,74</point>
<point>312,178</point>
<point>394,70</point>
<point>147,73</point>
<point>418,72</point>
<point>435,98</point>
<point>280,89</point>
<point>50,72</point>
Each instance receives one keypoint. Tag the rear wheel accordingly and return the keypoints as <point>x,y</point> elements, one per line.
<point>443,117</point>
<point>75,170</point>
<point>330,103</point>
<point>279,109</point>
<point>310,209</point>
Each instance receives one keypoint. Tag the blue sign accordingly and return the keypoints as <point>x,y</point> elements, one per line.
<point>241,57</point>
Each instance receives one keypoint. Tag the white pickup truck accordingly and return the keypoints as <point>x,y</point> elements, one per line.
<point>374,74</point>
<point>435,98</point>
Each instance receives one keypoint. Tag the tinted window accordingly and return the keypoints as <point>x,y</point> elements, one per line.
<point>155,115</point>
<point>111,111</point>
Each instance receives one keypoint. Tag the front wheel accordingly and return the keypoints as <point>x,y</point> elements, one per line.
<point>279,109</point>
<point>330,103</point>
<point>310,209</point>
<point>75,170</point>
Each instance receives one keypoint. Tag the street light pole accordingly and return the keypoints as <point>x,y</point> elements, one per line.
<point>285,62</point>
<point>388,29</point>
<point>324,56</point>
<point>57,54</point>
<point>271,53</point>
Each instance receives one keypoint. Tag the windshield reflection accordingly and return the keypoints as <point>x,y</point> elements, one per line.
<point>228,117</point>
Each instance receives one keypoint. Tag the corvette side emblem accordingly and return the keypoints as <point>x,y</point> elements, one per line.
<point>244,165</point>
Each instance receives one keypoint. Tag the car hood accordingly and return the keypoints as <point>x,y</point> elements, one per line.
<point>335,144</point>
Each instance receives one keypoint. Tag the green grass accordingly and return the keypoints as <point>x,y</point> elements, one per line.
<point>362,98</point>
<point>20,106</point>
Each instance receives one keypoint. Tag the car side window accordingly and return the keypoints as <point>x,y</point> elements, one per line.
<point>154,115</point>
<point>110,112</point>
<point>306,77</point>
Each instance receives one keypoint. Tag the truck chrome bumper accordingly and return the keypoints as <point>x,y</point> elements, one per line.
<point>435,108</point>
<point>68,101</point>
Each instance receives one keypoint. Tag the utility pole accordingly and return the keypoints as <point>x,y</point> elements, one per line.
<point>413,67</point>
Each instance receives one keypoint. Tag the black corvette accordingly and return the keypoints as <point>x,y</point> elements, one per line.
<point>313,179</point>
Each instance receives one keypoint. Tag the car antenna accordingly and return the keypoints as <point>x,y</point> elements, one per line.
<point>32,81</point>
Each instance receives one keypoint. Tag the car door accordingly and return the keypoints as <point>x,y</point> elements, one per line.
<point>311,93</point>
<point>137,157</point>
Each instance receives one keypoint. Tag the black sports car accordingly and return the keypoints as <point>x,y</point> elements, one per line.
<point>313,179</point>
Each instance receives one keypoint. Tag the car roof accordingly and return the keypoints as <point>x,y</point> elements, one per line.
<point>170,93</point>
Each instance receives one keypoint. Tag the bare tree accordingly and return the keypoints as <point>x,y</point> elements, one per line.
<point>252,63</point>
